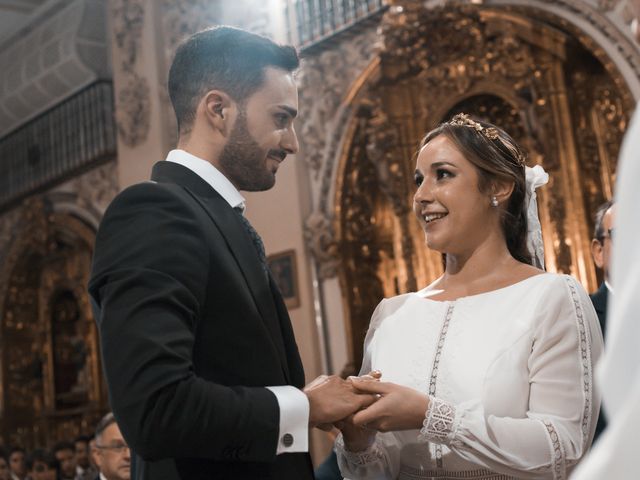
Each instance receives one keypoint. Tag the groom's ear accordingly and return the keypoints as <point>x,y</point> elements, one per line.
<point>219,110</point>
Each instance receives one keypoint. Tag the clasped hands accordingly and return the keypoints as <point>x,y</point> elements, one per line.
<point>361,406</point>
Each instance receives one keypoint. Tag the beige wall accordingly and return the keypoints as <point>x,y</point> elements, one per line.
<point>277,215</point>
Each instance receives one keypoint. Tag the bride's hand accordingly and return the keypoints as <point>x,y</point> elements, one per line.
<point>357,438</point>
<point>398,408</point>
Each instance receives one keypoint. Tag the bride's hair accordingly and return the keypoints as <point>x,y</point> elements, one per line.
<point>497,157</point>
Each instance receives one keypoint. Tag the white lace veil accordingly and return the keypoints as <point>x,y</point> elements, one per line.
<point>535,177</point>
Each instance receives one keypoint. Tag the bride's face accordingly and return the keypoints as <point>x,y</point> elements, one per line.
<point>454,214</point>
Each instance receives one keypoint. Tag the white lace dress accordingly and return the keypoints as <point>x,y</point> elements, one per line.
<point>509,374</point>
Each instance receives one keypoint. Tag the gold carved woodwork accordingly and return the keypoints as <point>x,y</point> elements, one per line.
<point>52,386</point>
<point>545,88</point>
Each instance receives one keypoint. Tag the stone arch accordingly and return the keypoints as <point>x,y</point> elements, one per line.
<point>49,256</point>
<point>571,108</point>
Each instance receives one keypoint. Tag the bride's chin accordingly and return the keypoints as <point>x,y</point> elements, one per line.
<point>434,244</point>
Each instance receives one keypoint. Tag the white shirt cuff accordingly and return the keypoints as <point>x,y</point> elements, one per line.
<point>293,435</point>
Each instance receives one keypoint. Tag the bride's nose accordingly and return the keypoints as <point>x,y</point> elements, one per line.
<point>423,195</point>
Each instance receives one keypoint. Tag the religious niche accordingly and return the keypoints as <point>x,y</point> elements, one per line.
<point>70,351</point>
<point>52,386</point>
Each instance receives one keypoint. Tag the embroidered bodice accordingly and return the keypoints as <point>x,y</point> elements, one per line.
<point>510,378</point>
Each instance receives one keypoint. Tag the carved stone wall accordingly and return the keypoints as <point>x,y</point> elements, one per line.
<point>325,81</point>
<point>133,102</point>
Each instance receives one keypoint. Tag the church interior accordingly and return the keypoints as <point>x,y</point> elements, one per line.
<point>85,112</point>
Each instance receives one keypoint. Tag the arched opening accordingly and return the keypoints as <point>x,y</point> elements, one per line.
<point>527,74</point>
<point>51,374</point>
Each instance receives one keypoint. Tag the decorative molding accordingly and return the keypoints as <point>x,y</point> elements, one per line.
<point>321,243</point>
<point>607,5</point>
<point>323,81</point>
<point>128,24</point>
<point>618,52</point>
<point>97,188</point>
<point>133,101</point>
<point>133,110</point>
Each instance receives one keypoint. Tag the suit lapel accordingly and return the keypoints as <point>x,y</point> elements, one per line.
<point>239,243</point>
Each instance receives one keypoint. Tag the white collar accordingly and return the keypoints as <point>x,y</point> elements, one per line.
<point>608,285</point>
<point>209,174</point>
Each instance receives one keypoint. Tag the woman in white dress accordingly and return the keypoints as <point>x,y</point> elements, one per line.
<point>487,373</point>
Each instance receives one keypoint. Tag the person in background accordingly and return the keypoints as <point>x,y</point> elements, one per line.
<point>41,465</point>
<point>93,453</point>
<point>5,474</point>
<point>85,470</point>
<point>65,454</point>
<point>17,463</point>
<point>601,252</point>
<point>113,454</point>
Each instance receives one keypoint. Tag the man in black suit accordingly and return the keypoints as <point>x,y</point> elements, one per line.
<point>199,353</point>
<point>601,253</point>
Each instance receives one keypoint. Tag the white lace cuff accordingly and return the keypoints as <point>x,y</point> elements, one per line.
<point>372,454</point>
<point>440,423</point>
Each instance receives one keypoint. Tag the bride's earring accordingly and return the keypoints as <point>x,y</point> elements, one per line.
<point>494,202</point>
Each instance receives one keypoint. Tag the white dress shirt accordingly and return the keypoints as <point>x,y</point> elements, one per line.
<point>293,404</point>
<point>615,454</point>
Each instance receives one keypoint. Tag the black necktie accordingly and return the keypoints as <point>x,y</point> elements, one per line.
<point>255,238</point>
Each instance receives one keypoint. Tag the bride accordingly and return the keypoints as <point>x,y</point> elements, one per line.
<point>487,373</point>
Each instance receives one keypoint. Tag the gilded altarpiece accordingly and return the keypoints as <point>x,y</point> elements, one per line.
<point>540,83</point>
<point>52,386</point>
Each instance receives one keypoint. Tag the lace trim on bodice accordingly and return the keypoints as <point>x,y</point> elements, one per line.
<point>585,358</point>
<point>557,452</point>
<point>407,473</point>
<point>439,417</point>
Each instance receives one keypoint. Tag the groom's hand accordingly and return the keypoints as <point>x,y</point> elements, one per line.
<point>331,399</point>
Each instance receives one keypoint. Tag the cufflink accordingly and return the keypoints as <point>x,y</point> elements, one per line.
<point>287,439</point>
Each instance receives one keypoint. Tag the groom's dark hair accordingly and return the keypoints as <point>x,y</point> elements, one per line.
<point>226,59</point>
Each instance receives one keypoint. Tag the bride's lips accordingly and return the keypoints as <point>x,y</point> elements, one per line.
<point>433,217</point>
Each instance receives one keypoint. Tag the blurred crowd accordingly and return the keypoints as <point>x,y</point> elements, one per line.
<point>103,456</point>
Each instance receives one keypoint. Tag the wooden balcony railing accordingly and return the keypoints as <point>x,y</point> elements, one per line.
<point>70,137</point>
<point>311,22</point>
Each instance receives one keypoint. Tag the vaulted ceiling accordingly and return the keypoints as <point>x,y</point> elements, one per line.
<point>15,14</point>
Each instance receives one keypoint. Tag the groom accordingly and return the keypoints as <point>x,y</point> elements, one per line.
<point>202,366</point>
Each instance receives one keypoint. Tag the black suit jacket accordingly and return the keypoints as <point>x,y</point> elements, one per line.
<point>599,300</point>
<point>191,331</point>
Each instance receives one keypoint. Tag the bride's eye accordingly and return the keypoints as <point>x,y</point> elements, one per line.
<point>443,173</point>
<point>418,178</point>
